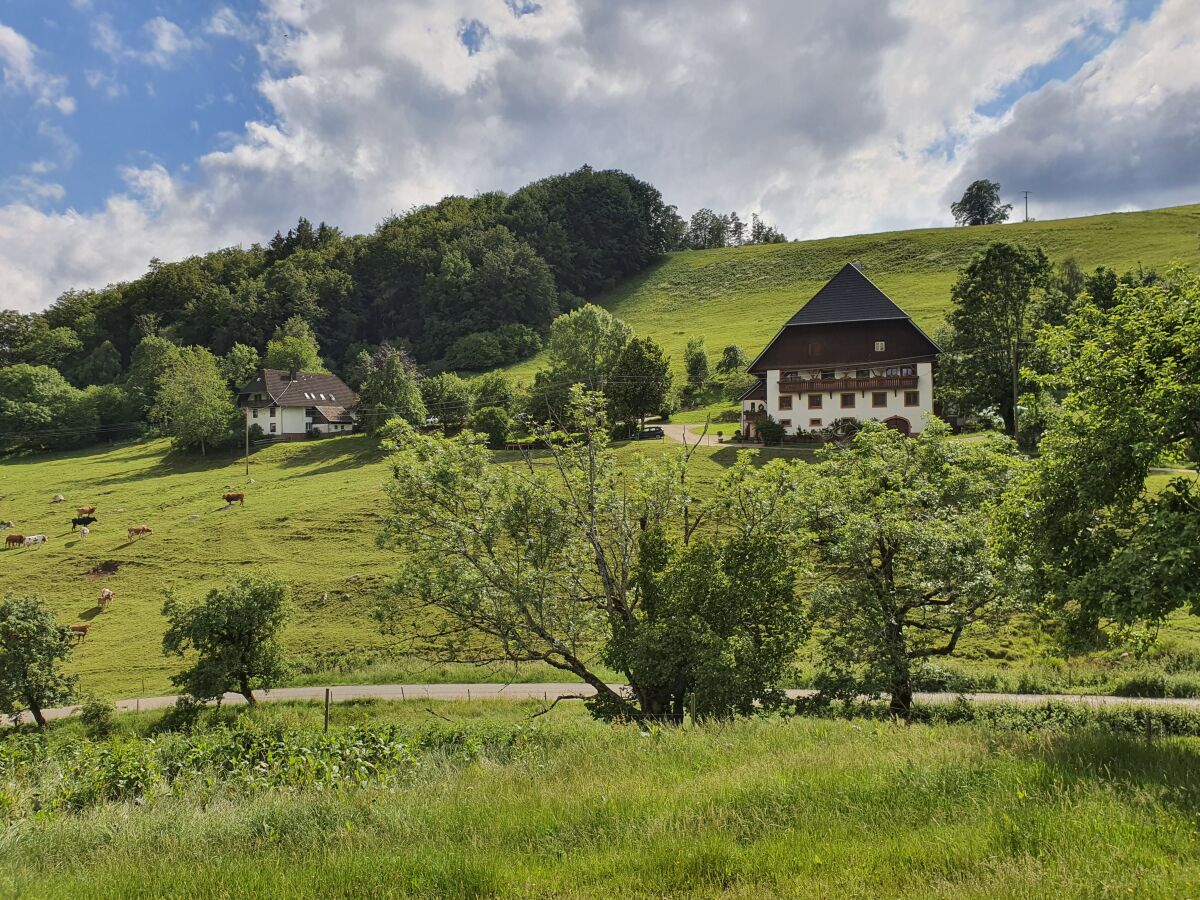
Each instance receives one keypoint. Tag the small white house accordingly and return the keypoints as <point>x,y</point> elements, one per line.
<point>850,353</point>
<point>292,405</point>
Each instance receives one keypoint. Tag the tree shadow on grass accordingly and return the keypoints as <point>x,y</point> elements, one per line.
<point>175,462</point>
<point>727,456</point>
<point>1168,769</point>
<point>337,459</point>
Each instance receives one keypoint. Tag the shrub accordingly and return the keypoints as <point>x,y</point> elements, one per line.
<point>770,431</point>
<point>99,717</point>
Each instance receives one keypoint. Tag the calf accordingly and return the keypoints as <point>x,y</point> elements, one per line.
<point>14,540</point>
<point>83,520</point>
<point>84,531</point>
<point>6,524</point>
<point>232,498</point>
<point>106,597</point>
<point>139,530</point>
<point>35,539</point>
<point>79,631</point>
<point>85,510</point>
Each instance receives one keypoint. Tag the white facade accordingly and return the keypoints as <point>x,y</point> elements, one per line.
<point>810,399</point>
<point>278,421</point>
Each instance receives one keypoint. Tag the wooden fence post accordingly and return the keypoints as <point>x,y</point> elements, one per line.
<point>327,695</point>
<point>692,707</point>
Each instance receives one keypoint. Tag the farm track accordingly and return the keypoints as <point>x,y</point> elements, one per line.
<point>550,690</point>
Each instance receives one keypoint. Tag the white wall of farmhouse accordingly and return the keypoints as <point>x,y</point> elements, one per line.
<point>902,393</point>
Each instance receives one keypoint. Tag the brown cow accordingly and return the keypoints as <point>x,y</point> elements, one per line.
<point>14,540</point>
<point>85,510</point>
<point>106,597</point>
<point>80,631</point>
<point>136,530</point>
<point>232,498</point>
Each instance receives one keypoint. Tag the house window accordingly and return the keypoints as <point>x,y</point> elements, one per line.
<point>847,401</point>
<point>827,374</point>
<point>901,371</point>
<point>791,375</point>
<point>272,412</point>
<point>862,373</point>
<point>814,423</point>
<point>272,428</point>
<point>814,401</point>
<point>785,402</point>
<point>880,346</point>
<point>912,398</point>
<point>879,399</point>
<point>256,413</point>
<point>786,423</point>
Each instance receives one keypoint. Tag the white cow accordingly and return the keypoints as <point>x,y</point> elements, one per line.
<point>106,597</point>
<point>84,531</point>
<point>35,539</point>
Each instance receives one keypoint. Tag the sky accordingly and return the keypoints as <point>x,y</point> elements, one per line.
<point>135,129</point>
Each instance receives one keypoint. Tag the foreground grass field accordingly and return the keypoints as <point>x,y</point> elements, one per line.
<point>742,295</point>
<point>574,808</point>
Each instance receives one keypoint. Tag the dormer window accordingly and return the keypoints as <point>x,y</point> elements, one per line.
<point>880,346</point>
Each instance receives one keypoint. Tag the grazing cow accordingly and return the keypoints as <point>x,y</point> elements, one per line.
<point>34,539</point>
<point>14,540</point>
<point>84,531</point>
<point>83,520</point>
<point>136,530</point>
<point>235,497</point>
<point>7,524</point>
<point>106,597</point>
<point>58,498</point>
<point>85,510</point>
<point>79,631</point>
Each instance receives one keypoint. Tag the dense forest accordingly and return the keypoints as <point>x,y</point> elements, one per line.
<point>465,284</point>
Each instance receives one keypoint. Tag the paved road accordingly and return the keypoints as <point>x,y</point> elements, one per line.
<point>678,433</point>
<point>549,691</point>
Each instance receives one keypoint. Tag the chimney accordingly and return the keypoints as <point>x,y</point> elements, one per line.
<point>294,374</point>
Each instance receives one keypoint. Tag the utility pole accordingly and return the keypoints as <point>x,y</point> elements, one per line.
<point>1026,193</point>
<point>247,445</point>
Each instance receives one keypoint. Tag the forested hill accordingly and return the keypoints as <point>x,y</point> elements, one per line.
<point>433,281</point>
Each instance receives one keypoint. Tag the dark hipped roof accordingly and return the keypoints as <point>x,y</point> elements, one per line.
<point>332,415</point>
<point>306,389</point>
<point>756,391</point>
<point>849,296</point>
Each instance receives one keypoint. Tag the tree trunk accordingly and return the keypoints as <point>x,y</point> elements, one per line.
<point>901,702</point>
<point>36,711</point>
<point>245,691</point>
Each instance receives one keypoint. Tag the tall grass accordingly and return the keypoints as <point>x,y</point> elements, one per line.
<point>757,808</point>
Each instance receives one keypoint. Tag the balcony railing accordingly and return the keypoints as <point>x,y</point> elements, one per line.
<point>754,413</point>
<point>824,385</point>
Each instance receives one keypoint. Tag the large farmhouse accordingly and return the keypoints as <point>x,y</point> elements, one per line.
<point>293,405</point>
<point>849,353</point>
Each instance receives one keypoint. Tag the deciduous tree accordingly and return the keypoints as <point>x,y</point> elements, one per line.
<point>33,649</point>
<point>980,205</point>
<point>234,632</point>
<point>640,382</point>
<point>193,402</point>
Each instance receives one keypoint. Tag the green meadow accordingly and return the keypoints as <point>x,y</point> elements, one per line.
<point>743,295</point>
<point>497,804</point>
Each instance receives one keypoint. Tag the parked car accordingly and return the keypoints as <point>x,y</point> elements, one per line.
<point>652,432</point>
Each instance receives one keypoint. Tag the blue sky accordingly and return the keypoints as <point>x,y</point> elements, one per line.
<point>169,127</point>
<point>132,107</point>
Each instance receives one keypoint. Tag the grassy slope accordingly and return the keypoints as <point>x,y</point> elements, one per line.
<point>311,517</point>
<point>801,808</point>
<point>742,295</point>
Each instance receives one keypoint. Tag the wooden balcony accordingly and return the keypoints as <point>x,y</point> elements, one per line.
<point>826,385</point>
<point>753,414</point>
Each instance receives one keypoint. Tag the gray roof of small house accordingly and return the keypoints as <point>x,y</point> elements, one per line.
<point>306,389</point>
<point>849,296</point>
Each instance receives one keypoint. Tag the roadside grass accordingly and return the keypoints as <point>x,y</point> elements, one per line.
<point>762,807</point>
<point>743,295</point>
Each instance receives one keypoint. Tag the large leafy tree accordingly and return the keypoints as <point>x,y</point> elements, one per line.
<point>234,634</point>
<point>193,401</point>
<point>1096,546</point>
<point>39,408</point>
<point>904,556</point>
<point>695,361</point>
<point>585,344</point>
<point>33,649</point>
<point>239,366</point>
<point>640,382</point>
<point>390,389</point>
<point>996,301</point>
<point>980,205</point>
<point>569,564</point>
<point>447,397</point>
<point>294,346</point>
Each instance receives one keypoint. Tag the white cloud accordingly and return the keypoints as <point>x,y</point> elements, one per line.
<point>161,42</point>
<point>823,117</point>
<point>226,23</point>
<point>104,83</point>
<point>20,72</point>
